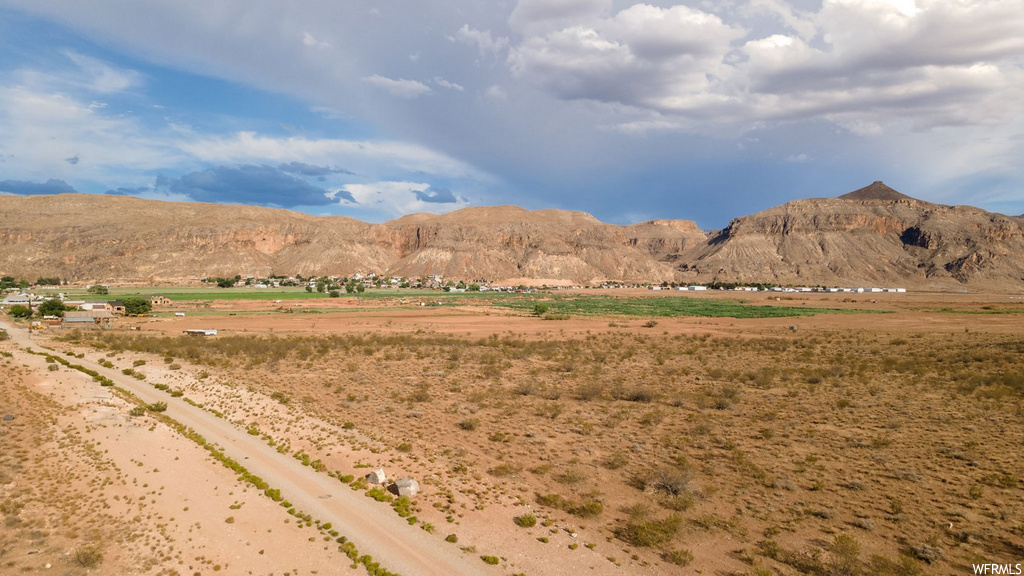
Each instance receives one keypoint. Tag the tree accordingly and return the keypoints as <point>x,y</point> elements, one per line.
<point>135,306</point>
<point>334,294</point>
<point>19,311</point>
<point>350,287</point>
<point>225,283</point>
<point>51,307</point>
<point>97,289</point>
<point>308,289</point>
<point>360,288</point>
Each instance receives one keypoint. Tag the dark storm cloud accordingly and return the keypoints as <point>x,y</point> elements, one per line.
<point>310,170</point>
<point>436,195</point>
<point>24,188</point>
<point>127,191</point>
<point>248,184</point>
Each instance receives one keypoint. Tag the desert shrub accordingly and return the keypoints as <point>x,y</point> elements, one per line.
<point>639,395</point>
<point>87,556</point>
<point>905,566</point>
<point>845,556</point>
<point>649,533</point>
<point>492,560</point>
<point>586,509</point>
<point>650,324</point>
<point>137,411</point>
<point>504,470</point>
<point>139,363</point>
<point>469,424</point>
<point>525,521</point>
<point>452,538</point>
<point>4,335</point>
<point>680,557</point>
<point>614,461</point>
<point>539,309</point>
<point>157,407</point>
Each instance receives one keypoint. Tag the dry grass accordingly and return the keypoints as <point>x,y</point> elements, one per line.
<point>834,452</point>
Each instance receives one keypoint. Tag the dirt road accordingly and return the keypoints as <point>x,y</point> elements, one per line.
<point>372,527</point>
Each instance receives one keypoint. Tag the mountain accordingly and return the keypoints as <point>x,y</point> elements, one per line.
<point>91,238</point>
<point>874,236</point>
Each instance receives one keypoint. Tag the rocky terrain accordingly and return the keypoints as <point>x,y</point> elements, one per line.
<point>874,236</point>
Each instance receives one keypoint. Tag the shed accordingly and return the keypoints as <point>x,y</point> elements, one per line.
<point>87,319</point>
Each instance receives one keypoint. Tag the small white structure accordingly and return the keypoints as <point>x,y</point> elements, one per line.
<point>407,487</point>
<point>377,476</point>
<point>201,332</point>
<point>179,313</point>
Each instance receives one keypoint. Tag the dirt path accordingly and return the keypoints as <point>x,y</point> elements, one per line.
<point>374,529</point>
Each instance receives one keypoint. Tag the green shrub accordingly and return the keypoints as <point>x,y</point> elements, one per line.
<point>469,424</point>
<point>87,556</point>
<point>451,538</point>
<point>678,557</point>
<point>492,560</point>
<point>525,521</point>
<point>649,533</point>
<point>157,407</point>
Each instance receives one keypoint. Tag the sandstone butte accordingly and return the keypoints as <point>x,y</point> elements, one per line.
<point>874,236</point>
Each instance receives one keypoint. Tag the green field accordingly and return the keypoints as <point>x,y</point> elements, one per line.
<point>667,307</point>
<point>559,304</point>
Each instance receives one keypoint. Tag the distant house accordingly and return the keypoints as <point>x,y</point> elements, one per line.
<point>117,307</point>
<point>96,305</point>
<point>17,299</point>
<point>159,300</point>
<point>87,319</point>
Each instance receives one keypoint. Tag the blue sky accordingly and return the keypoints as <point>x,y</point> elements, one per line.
<point>629,111</point>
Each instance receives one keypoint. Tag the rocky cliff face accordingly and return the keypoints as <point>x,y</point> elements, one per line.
<point>873,236</point>
<point>107,238</point>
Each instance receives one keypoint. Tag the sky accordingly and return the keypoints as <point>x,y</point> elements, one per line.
<point>703,110</point>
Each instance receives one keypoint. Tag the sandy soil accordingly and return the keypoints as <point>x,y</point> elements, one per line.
<point>833,445</point>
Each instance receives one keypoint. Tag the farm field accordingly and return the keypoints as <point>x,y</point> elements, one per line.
<point>618,433</point>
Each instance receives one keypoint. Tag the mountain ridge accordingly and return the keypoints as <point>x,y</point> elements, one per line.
<point>871,236</point>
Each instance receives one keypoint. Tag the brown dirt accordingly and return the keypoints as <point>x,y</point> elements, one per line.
<point>902,430</point>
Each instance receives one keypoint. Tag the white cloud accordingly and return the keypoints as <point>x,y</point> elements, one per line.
<point>446,84</point>
<point>402,88</point>
<point>643,56</point>
<point>481,39</point>
<point>99,76</point>
<point>309,40</point>
<point>538,16</point>
<point>397,198</point>
<point>360,156</point>
<point>872,63</point>
<point>42,129</point>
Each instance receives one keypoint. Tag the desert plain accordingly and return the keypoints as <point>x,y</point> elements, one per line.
<point>851,434</point>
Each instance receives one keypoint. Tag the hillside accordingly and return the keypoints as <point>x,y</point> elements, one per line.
<point>91,238</point>
<point>873,236</point>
